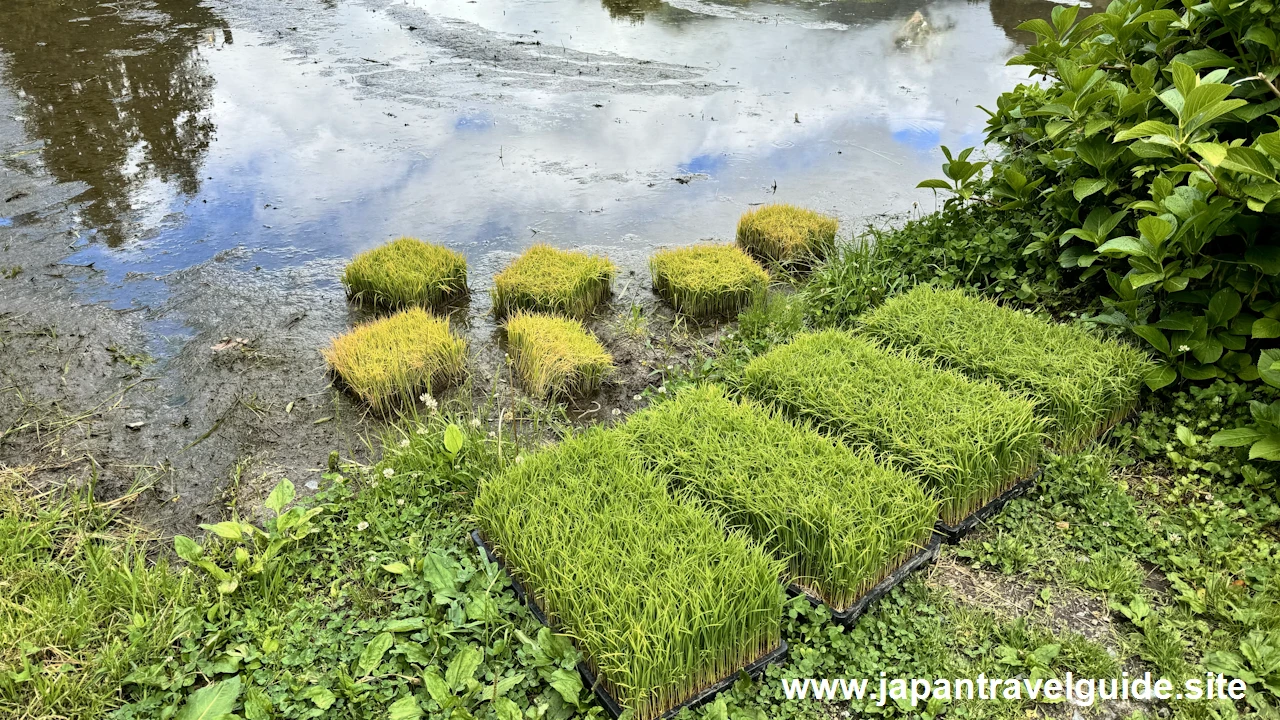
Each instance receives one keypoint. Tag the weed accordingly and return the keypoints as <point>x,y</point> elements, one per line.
<point>841,521</point>
<point>661,599</point>
<point>545,279</point>
<point>853,280</point>
<point>968,439</point>
<point>707,280</point>
<point>556,356</point>
<point>386,362</point>
<point>1108,571</point>
<point>406,272</point>
<point>1081,384</point>
<point>787,234</point>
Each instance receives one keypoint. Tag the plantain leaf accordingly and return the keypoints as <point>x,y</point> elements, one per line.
<point>211,701</point>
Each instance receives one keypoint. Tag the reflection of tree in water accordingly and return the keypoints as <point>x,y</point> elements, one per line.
<point>633,10</point>
<point>1009,14</point>
<point>117,93</point>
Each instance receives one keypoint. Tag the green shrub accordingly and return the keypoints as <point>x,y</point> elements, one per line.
<point>406,272</point>
<point>968,439</point>
<point>387,362</point>
<point>841,521</point>
<point>661,599</point>
<point>1148,142</point>
<point>704,280</point>
<point>556,356</point>
<point>1081,384</point>
<point>787,234</point>
<point>545,279</point>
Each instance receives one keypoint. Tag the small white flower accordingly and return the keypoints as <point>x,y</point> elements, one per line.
<point>429,401</point>
<point>616,411</point>
<point>362,525</point>
<point>1183,348</point>
<point>662,389</point>
<point>404,443</point>
<point>519,459</point>
<point>475,422</point>
<point>493,434</point>
<point>422,430</point>
<point>670,368</point>
<point>387,473</point>
<point>400,502</point>
<point>636,398</point>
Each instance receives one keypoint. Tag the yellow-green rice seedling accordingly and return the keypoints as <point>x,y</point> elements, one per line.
<point>707,280</point>
<point>787,234</point>
<point>968,439</point>
<point>1081,385</point>
<point>556,356</point>
<point>841,521</point>
<point>661,599</point>
<point>406,272</point>
<point>387,362</point>
<point>545,279</point>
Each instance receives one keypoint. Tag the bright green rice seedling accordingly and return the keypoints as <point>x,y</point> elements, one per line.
<point>545,279</point>
<point>787,234</point>
<point>556,356</point>
<point>406,272</point>
<point>387,362</point>
<point>705,280</point>
<point>841,521</point>
<point>1082,385</point>
<point>968,439</point>
<point>660,598</point>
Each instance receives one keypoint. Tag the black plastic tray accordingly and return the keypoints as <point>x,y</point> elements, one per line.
<point>952,534</point>
<point>849,616</point>
<point>589,677</point>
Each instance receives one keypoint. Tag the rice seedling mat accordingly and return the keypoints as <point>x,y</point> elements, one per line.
<point>388,361</point>
<point>1081,384</point>
<point>556,356</point>
<point>406,272</point>
<point>850,615</point>
<point>841,521</point>
<point>660,597</point>
<point>968,439</point>
<point>787,234</point>
<point>754,670</point>
<point>707,280</point>
<point>546,279</point>
<point>953,534</point>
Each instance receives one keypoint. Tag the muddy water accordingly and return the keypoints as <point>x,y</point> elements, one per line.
<point>175,173</point>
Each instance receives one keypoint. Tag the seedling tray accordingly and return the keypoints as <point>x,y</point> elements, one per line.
<point>952,534</point>
<point>849,616</point>
<point>589,677</point>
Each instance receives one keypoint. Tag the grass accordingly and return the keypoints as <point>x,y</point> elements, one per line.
<point>968,439</point>
<point>841,521</point>
<point>707,280</point>
<point>787,234</point>
<point>81,604</point>
<point>556,356</point>
<point>545,279</point>
<point>406,272</point>
<point>387,362</point>
<point>661,599</point>
<point>1083,385</point>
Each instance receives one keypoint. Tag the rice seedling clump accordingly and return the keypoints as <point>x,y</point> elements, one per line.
<point>388,362</point>
<point>659,597</point>
<point>1082,385</point>
<point>841,521</point>
<point>969,440</point>
<point>406,272</point>
<point>705,280</point>
<point>556,356</point>
<point>787,234</point>
<point>545,279</point>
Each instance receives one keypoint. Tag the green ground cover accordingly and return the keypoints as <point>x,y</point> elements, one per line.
<point>707,280</point>
<point>661,599</point>
<point>1081,384</point>
<point>556,356</point>
<point>841,521</point>
<point>968,439</point>
<point>406,272</point>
